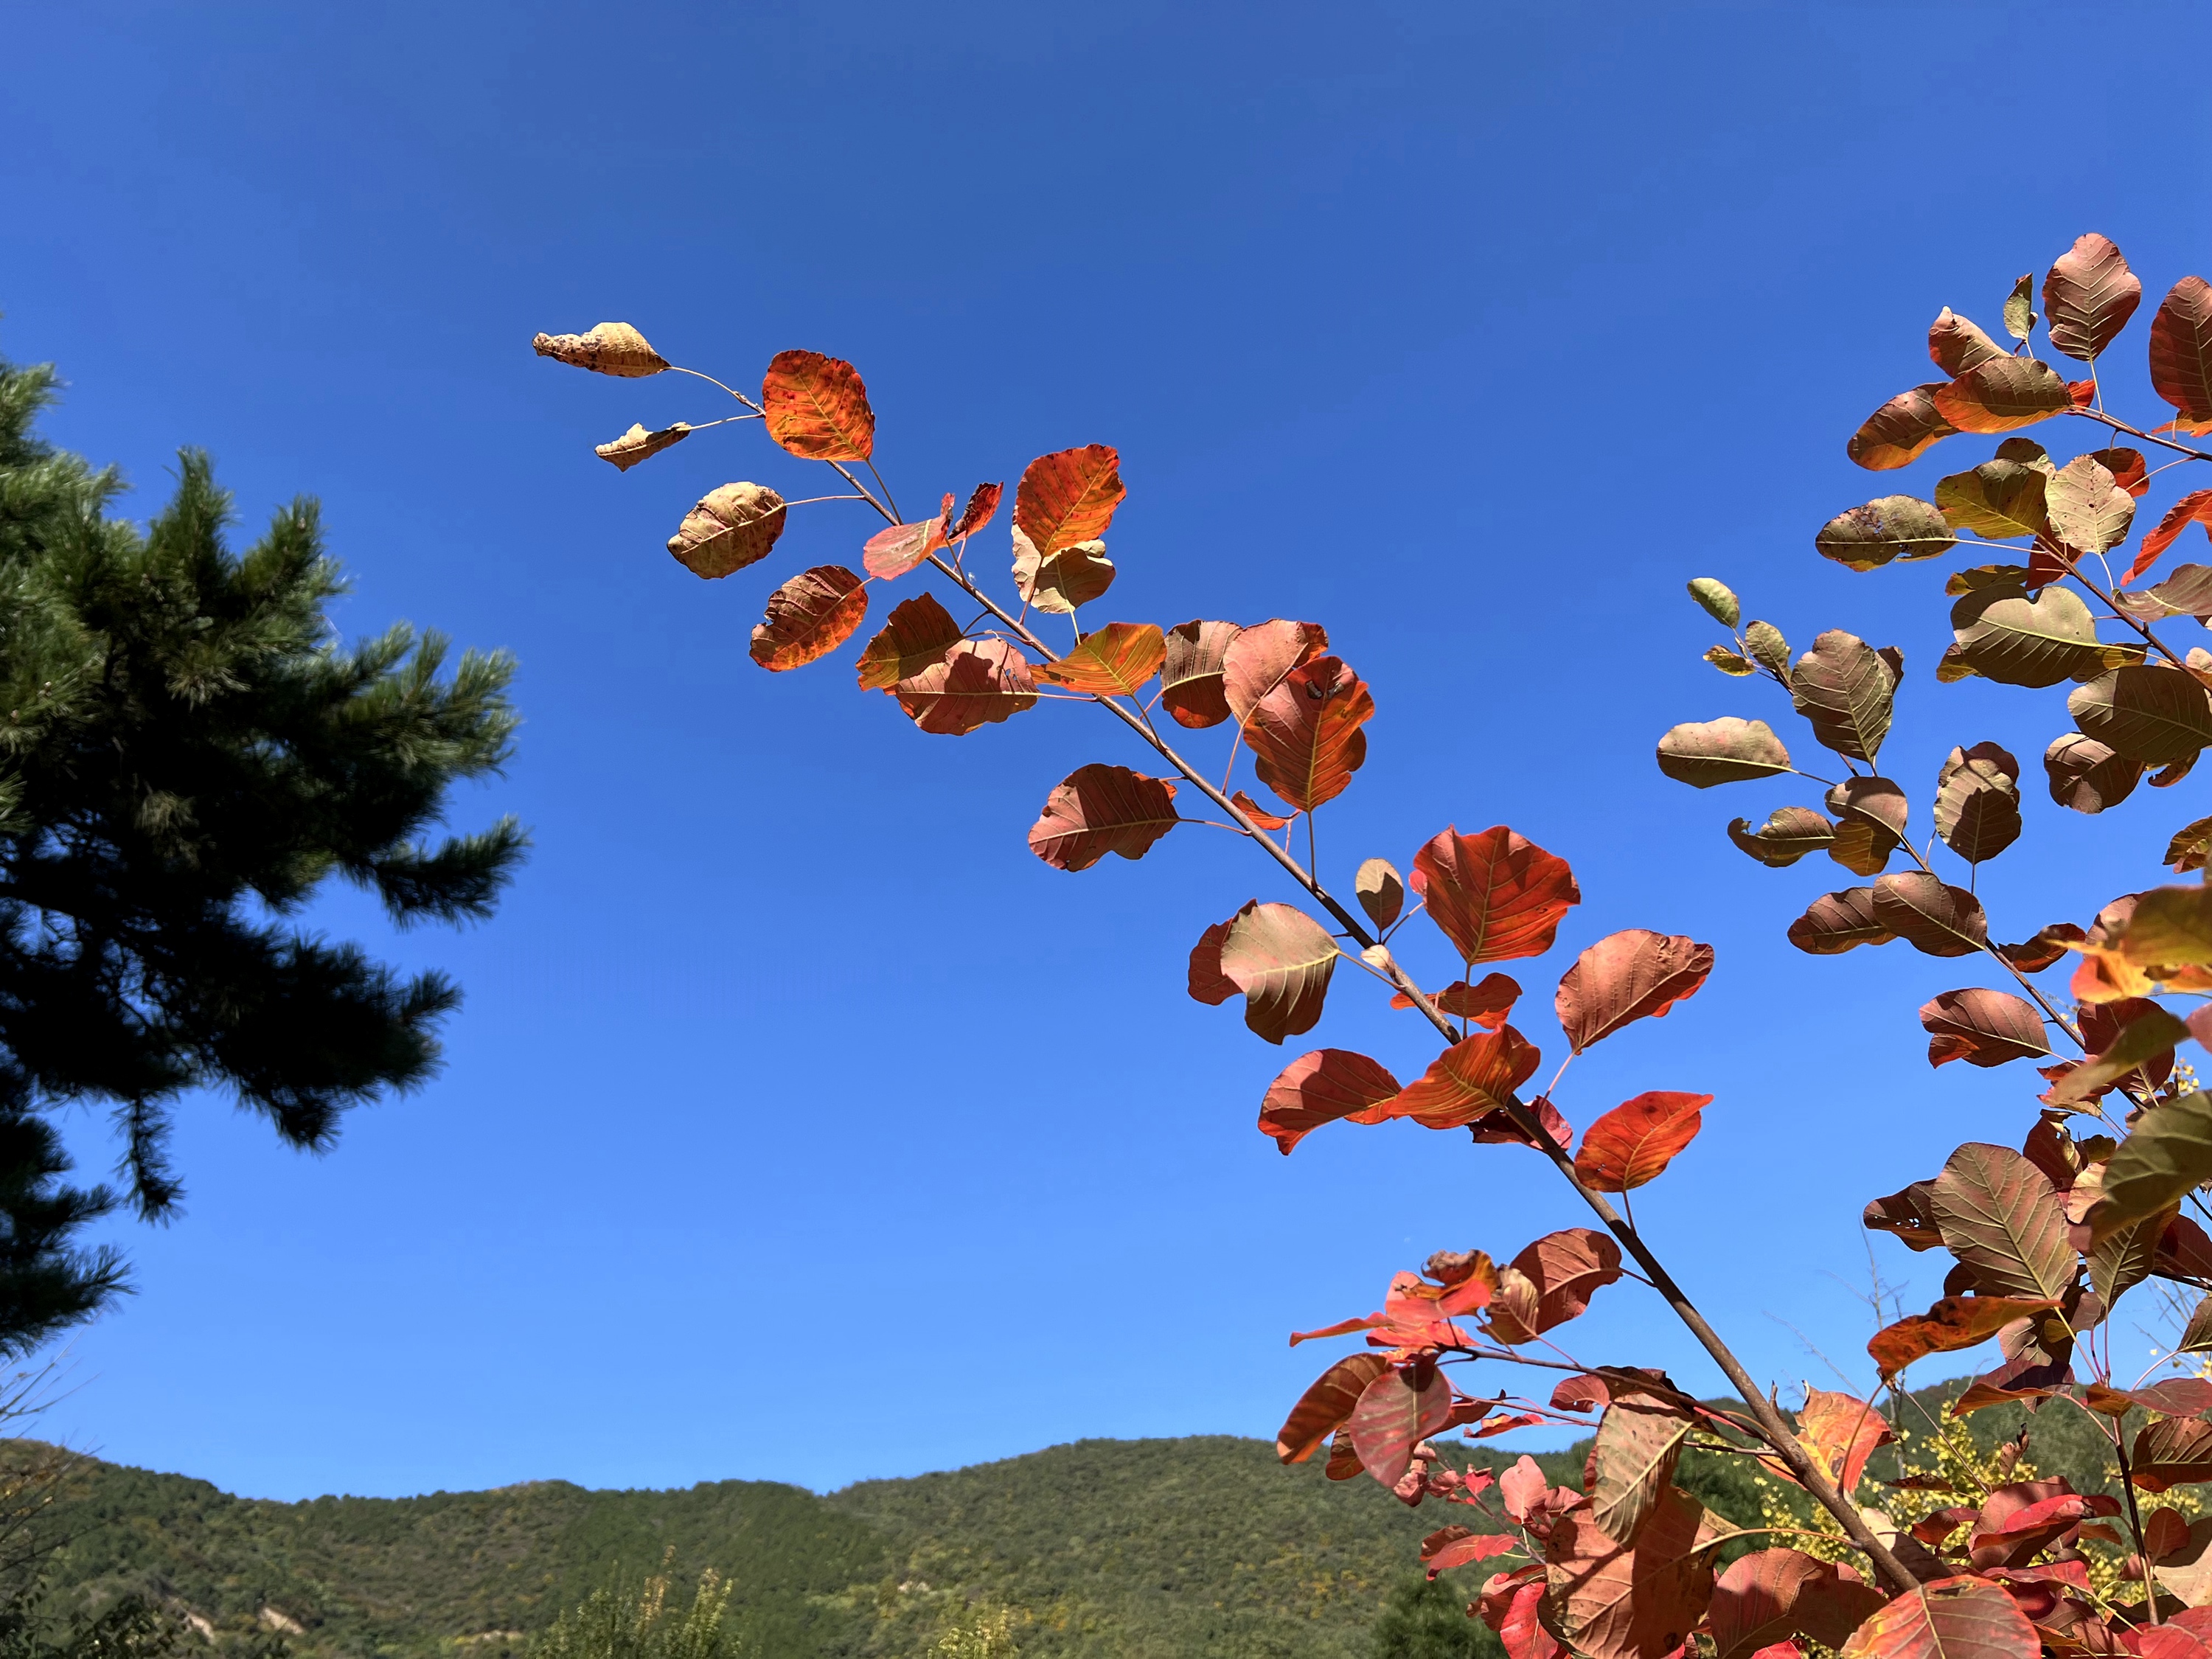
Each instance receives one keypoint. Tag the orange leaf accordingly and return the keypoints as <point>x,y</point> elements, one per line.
<point>1261,816</point>
<point>1255,660</point>
<point>1320,1088</point>
<point>2194,507</point>
<point>979,682</point>
<point>809,616</point>
<point>1955,1321</point>
<point>1895,434</point>
<point>817,408</point>
<point>2129,469</point>
<point>981,504</point>
<point>893,552</point>
<point>1190,679</point>
<point>1841,1433</point>
<point>1474,1076</point>
<point>1951,1619</point>
<point>2181,348</point>
<point>1100,808</point>
<point>1324,1406</point>
<point>1956,344</point>
<point>1632,1143</point>
<point>918,635</point>
<point>2003,394</point>
<point>1304,735</point>
<point>1112,662</point>
<point>1632,974</point>
<point>1487,1004</point>
<point>2088,297</point>
<point>1281,959</point>
<point>1068,497</point>
<point>1496,896</point>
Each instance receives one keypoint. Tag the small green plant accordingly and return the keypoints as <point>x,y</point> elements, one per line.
<point>624,1620</point>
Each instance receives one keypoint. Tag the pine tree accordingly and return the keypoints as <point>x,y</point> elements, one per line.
<point>187,755</point>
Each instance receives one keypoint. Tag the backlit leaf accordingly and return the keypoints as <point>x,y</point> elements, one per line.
<point>1978,801</point>
<point>1608,1601</point>
<point>639,445</point>
<point>1840,1433</point>
<point>1110,661</point>
<point>1982,1028</point>
<point>1772,1594</point>
<point>1718,600</point>
<point>1395,1413</point>
<point>1323,1407</point>
<point>1069,496</point>
<point>1861,846</point>
<point>2122,1260</point>
<point>982,504</point>
<point>2088,297</point>
<point>2186,592</point>
<point>2129,469</point>
<point>1208,984</point>
<point>1930,915</point>
<point>1895,434</point>
<point>1846,691</point>
<point>1835,922</point>
<point>1305,734</point>
<point>1064,582</point>
<point>2181,348</point>
<point>1190,679</point>
<point>1703,753</point>
<point>817,408</point>
<point>609,348</point>
<point>892,552</point>
<point>1487,1003</point>
<point>1955,345</point>
<point>809,616</point>
<point>2088,775</point>
<point>1634,1454</point>
<point>1768,649</point>
<point>1632,974</point>
<point>2145,1043</point>
<point>1476,1075</point>
<point>1951,1619</point>
<point>1381,891</point>
<point>1953,1322</point>
<point>1460,1547</point>
<point>2000,395</point>
<point>2194,507</point>
<point>1728,662</point>
<point>1887,528</point>
<point>2089,511</point>
<point>1999,1214</point>
<point>1261,818</point>
<point>1320,1088</point>
<point>1789,834</point>
<point>1100,808</point>
<point>1495,896</point>
<point>2020,308</point>
<point>1564,1270</point>
<point>2148,713</point>
<point>1635,1141</point>
<point>979,682</point>
<point>1997,499</point>
<point>918,633</point>
<point>2006,636</point>
<point>730,528</point>
<point>2170,927</point>
<point>2176,1451</point>
<point>1281,959</point>
<point>1255,660</point>
<point>2189,846</point>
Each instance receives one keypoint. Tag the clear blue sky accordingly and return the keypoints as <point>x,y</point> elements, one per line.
<point>799,1123</point>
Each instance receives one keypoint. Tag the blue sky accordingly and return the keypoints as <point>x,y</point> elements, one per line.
<point>799,1124</point>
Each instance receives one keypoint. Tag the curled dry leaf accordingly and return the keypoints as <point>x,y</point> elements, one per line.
<point>1381,891</point>
<point>1064,582</point>
<point>1835,922</point>
<point>2002,395</point>
<point>1323,1407</point>
<point>2088,775</point>
<point>609,348</point>
<point>1982,1028</point>
<point>1789,834</point>
<point>2045,950</point>
<point>1898,433</point>
<point>2089,511</point>
<point>1191,679</point>
<point>919,633</point>
<point>892,552</point>
<point>808,616</point>
<point>2088,297</point>
<point>1887,528</point>
<point>1255,660</point>
<point>1069,496</point>
<point>982,503</point>
<point>1320,1088</point>
<point>730,528</point>
<point>1281,959</point>
<point>2181,348</point>
<point>1629,975</point>
<point>979,682</point>
<point>1703,753</point>
<point>1955,344</point>
<point>817,407</point>
<point>1953,1322</point>
<point>1930,915</point>
<point>1112,662</point>
<point>1100,808</point>
<point>1474,1077</point>
<point>2004,635</point>
<point>1496,896</point>
<point>1998,499</point>
<point>2148,713</point>
<point>1305,734</point>
<point>638,445</point>
<point>1634,1142</point>
<point>1908,1215</point>
<point>2190,847</point>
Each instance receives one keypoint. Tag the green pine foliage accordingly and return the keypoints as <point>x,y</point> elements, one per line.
<point>187,755</point>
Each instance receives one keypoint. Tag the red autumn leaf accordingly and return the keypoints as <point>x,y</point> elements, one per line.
<point>1487,1003</point>
<point>1506,1425</point>
<point>817,408</point>
<point>1771,1595</point>
<point>1320,1088</point>
<point>809,616</point>
<point>1562,1270</point>
<point>1281,959</point>
<point>1498,1128</point>
<point>1473,1077</point>
<point>2002,395</point>
<point>981,505</point>
<point>1457,1546</point>
<point>2129,469</point>
<point>1208,984</point>
<point>1982,1028</point>
<point>1510,1604</point>
<point>1609,1602</point>
<point>1112,662</point>
<point>1255,659</point>
<point>2088,297</point>
<point>1261,816</point>
<point>1956,344</point>
<point>1632,974</point>
<point>1496,896</point>
<point>1895,434</point>
<point>979,683</point>
<point>1396,1411</point>
<point>1953,1322</point>
<point>1304,735</point>
<point>893,552</point>
<point>919,633</point>
<point>1632,1143</point>
<point>2166,1532</point>
<point>2174,1451</point>
<point>1326,1404</point>
<point>1069,496</point>
<point>2194,507</point>
<point>1100,808</point>
<point>2028,1531</point>
<point>1191,677</point>
<point>1840,1433</point>
<point>2181,348</point>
